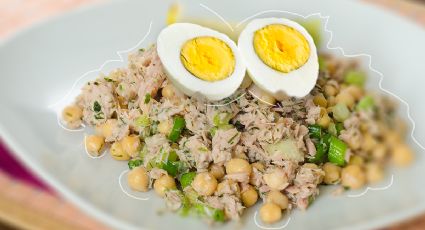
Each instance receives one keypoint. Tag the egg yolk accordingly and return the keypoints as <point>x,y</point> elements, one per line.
<point>281,47</point>
<point>208,58</point>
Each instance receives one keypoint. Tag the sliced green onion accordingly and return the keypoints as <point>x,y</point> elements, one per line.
<point>355,78</point>
<point>315,131</point>
<point>320,156</point>
<point>332,129</point>
<point>221,119</point>
<point>178,126</point>
<point>133,163</point>
<point>326,141</point>
<point>143,121</point>
<point>340,112</point>
<point>337,149</point>
<point>339,127</point>
<point>187,178</point>
<point>366,103</point>
<point>209,212</point>
<point>171,167</point>
<point>218,215</point>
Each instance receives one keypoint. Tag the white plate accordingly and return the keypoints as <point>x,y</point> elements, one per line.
<point>39,66</point>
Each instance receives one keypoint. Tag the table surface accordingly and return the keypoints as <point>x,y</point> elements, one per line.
<point>25,201</point>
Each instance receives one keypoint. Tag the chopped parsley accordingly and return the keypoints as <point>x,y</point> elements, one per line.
<point>239,126</point>
<point>108,79</point>
<point>134,163</point>
<point>147,98</point>
<point>97,107</point>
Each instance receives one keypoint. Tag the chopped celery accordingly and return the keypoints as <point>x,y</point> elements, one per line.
<point>178,126</point>
<point>287,149</point>
<point>187,178</point>
<point>366,103</point>
<point>315,131</point>
<point>143,121</point>
<point>133,163</point>
<point>340,112</point>
<point>355,78</point>
<point>337,149</point>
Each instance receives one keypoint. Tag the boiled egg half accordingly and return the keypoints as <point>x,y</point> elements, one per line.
<point>200,61</point>
<point>280,56</point>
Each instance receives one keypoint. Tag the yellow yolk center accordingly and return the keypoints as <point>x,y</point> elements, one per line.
<point>281,47</point>
<point>208,58</point>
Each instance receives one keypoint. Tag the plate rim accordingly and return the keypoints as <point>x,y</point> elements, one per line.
<point>23,157</point>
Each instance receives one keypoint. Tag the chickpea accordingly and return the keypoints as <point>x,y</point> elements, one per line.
<point>392,137</point>
<point>217,171</point>
<point>276,180</point>
<point>324,119</point>
<point>131,145</point>
<point>355,91</point>
<point>138,179</point>
<point>94,144</point>
<point>270,213</point>
<point>237,165</point>
<point>345,98</point>
<point>402,155</point>
<point>259,166</point>
<point>369,142</point>
<point>353,177</point>
<point>118,153</point>
<point>356,160</point>
<point>320,100</point>
<point>171,92</point>
<point>332,173</point>
<point>277,198</point>
<point>164,183</point>
<point>106,129</point>
<point>331,102</point>
<point>72,113</point>
<point>374,173</point>
<point>330,90</point>
<point>164,127</point>
<point>249,197</point>
<point>205,184</point>
<point>379,152</point>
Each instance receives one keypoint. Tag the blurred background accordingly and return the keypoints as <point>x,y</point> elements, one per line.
<point>25,201</point>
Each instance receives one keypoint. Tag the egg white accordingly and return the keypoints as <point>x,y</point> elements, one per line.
<point>169,44</point>
<point>297,83</point>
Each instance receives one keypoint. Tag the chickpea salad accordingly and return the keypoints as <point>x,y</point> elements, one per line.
<point>271,140</point>
<point>216,161</point>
